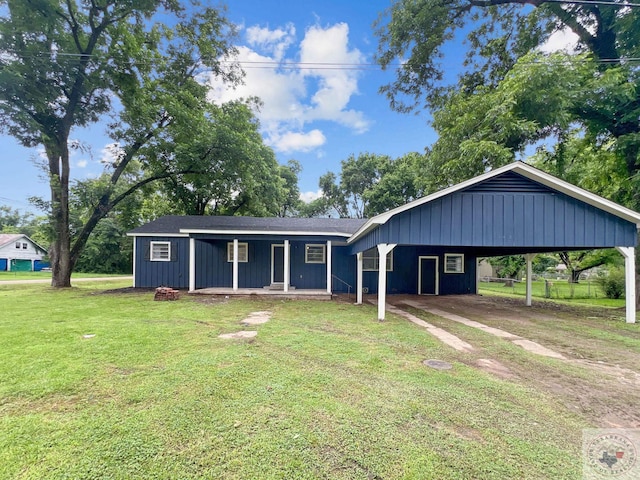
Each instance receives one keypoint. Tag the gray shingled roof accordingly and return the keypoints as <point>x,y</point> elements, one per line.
<point>174,223</point>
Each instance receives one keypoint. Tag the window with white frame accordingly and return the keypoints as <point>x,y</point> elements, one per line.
<point>17,244</point>
<point>243,252</point>
<point>371,260</point>
<point>160,252</point>
<point>314,253</point>
<point>453,263</point>
<point>25,246</point>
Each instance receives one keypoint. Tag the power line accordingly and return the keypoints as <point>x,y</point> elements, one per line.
<point>587,2</point>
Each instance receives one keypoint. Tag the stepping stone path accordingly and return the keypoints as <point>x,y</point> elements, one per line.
<point>254,318</point>
<point>242,334</point>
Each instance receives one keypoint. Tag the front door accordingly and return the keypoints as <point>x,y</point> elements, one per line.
<point>277,264</point>
<point>427,275</point>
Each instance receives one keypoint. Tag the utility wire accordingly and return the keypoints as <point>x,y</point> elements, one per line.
<point>587,2</point>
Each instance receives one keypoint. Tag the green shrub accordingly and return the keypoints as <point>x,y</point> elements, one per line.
<point>613,283</point>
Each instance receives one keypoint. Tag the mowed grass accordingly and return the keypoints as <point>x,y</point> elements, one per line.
<point>323,391</point>
<point>585,292</point>
<point>8,276</point>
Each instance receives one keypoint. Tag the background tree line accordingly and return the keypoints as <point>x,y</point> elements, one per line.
<point>574,115</point>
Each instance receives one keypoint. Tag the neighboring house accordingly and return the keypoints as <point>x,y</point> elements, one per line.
<point>430,246</point>
<point>19,253</point>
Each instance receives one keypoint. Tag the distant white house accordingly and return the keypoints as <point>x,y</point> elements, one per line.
<point>19,253</point>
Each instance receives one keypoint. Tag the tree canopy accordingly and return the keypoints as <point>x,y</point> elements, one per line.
<point>68,64</point>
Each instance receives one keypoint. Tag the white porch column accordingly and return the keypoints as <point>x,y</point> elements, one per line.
<point>287,273</point>
<point>192,264</point>
<point>328,266</point>
<point>383,250</point>
<point>529,258</point>
<point>629,255</point>
<point>135,240</point>
<point>235,264</point>
<point>359,278</point>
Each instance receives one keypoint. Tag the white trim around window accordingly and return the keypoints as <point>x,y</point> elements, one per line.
<point>314,253</point>
<point>243,252</point>
<point>371,260</point>
<point>453,263</point>
<point>160,251</point>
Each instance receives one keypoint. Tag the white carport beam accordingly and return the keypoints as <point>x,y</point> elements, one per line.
<point>629,255</point>
<point>359,278</point>
<point>383,250</point>
<point>192,264</point>
<point>529,258</point>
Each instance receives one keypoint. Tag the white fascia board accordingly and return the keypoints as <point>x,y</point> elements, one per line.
<point>264,232</point>
<point>181,235</point>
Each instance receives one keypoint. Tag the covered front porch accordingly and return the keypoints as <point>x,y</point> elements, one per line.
<point>291,293</point>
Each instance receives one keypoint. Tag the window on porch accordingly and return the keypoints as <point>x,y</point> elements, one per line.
<point>314,253</point>
<point>243,252</point>
<point>371,260</point>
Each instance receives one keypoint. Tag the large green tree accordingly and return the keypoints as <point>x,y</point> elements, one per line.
<point>507,96</point>
<point>64,64</point>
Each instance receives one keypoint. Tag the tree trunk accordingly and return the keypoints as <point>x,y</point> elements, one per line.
<point>60,250</point>
<point>574,276</point>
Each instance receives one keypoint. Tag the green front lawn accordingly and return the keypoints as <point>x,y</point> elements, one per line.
<point>323,391</point>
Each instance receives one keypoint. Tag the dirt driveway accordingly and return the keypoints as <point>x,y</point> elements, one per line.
<point>599,376</point>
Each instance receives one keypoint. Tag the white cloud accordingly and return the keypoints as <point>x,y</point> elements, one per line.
<point>297,142</point>
<point>81,163</point>
<point>308,197</point>
<point>562,40</point>
<point>276,42</point>
<point>293,92</point>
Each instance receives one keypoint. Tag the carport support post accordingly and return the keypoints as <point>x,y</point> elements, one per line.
<point>529,258</point>
<point>359,278</point>
<point>629,255</point>
<point>235,264</point>
<point>192,264</point>
<point>383,250</point>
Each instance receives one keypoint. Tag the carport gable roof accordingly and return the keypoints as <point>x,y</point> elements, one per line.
<point>521,168</point>
<point>183,226</point>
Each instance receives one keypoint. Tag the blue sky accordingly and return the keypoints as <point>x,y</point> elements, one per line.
<point>318,116</point>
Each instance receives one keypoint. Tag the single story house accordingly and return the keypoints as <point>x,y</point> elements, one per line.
<point>19,253</point>
<point>430,246</point>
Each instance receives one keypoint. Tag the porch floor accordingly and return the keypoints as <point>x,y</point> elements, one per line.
<point>297,293</point>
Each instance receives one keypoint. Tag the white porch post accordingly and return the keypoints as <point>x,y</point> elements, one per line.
<point>135,240</point>
<point>192,264</point>
<point>235,264</point>
<point>287,273</point>
<point>359,278</point>
<point>328,266</point>
<point>529,258</point>
<point>629,255</point>
<point>383,250</point>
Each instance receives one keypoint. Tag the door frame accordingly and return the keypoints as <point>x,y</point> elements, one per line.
<point>273,249</point>
<point>437,279</point>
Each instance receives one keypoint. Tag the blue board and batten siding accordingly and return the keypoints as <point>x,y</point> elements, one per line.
<point>173,273</point>
<point>487,216</point>
<point>214,270</point>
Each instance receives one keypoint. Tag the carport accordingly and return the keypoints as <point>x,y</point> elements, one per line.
<point>515,209</point>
